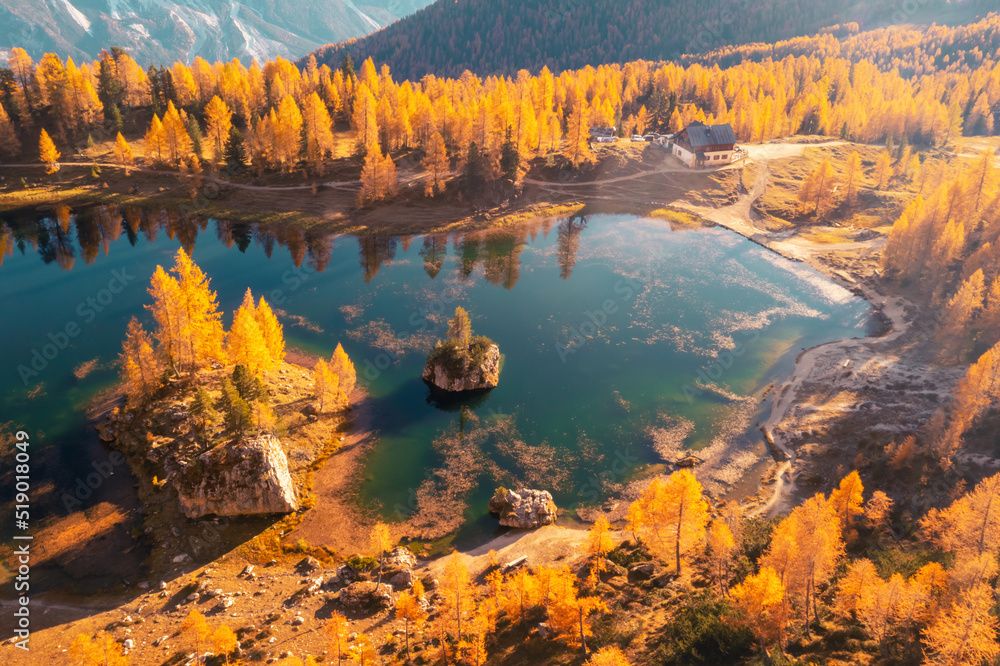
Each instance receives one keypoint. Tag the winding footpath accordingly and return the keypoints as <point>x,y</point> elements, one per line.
<point>738,217</point>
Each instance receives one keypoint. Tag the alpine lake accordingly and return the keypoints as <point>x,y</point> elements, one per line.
<point>626,342</point>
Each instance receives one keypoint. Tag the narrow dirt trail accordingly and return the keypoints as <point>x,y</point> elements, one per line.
<point>738,217</point>
<point>788,394</point>
<point>334,184</point>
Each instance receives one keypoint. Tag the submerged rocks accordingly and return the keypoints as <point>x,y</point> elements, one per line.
<point>480,371</point>
<point>238,479</point>
<point>524,508</point>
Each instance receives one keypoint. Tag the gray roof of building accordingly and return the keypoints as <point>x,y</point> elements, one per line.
<point>710,135</point>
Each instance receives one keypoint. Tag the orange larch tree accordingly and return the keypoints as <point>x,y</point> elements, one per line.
<point>245,343</point>
<point>218,122</point>
<point>47,153</point>
<point>674,514</point>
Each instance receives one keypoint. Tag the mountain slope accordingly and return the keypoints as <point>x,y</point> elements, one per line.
<point>162,31</point>
<point>502,36</point>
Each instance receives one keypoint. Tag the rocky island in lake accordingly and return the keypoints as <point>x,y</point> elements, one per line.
<point>464,362</point>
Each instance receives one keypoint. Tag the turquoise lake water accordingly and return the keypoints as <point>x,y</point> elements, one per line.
<point>610,327</point>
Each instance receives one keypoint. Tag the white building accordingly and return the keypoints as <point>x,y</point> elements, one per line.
<point>700,145</point>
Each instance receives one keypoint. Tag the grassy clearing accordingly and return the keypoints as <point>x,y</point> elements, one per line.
<point>675,217</point>
<point>10,201</point>
<point>828,235</point>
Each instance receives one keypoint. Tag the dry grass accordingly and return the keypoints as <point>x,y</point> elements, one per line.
<point>828,235</point>
<point>675,217</point>
<point>37,196</point>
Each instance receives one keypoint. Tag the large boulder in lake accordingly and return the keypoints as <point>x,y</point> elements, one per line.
<point>238,479</point>
<point>476,368</point>
<point>523,508</point>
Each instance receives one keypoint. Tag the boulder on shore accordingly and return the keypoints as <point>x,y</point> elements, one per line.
<point>366,597</point>
<point>524,508</point>
<point>238,479</point>
<point>474,377</point>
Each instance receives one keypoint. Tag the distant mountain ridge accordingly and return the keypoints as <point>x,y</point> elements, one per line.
<point>163,31</point>
<point>503,36</point>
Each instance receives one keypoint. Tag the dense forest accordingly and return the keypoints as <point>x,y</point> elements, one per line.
<point>911,50</point>
<point>280,117</point>
<point>502,36</point>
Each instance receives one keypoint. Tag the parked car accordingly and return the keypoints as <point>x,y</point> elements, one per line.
<point>651,137</point>
<point>637,138</point>
<point>606,139</point>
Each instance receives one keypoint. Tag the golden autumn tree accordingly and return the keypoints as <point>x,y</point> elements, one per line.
<point>123,153</point>
<point>9,143</point>
<point>175,135</point>
<point>577,149</point>
<point>326,384</point>
<point>189,325</point>
<point>719,546</point>
<point>101,650</point>
<point>457,592</point>
<point>336,634</point>
<point>852,177</point>
<point>378,176</point>
<point>202,319</point>
<point>218,122</point>
<point>140,367</point>
<point>245,343</point>
<point>224,640</point>
<point>347,377</point>
<point>848,498</point>
<point>363,650</point>
<point>47,153</point>
<point>861,574</point>
<point>380,542</point>
<point>568,614</point>
<point>957,316</point>
<point>974,394</point>
<point>318,130</point>
<point>473,649</point>
<point>196,626</point>
<point>883,170</point>
<point>805,549</point>
<point>877,511</point>
<point>286,127</point>
<point>22,67</point>
<point>363,119</point>
<point>412,613</point>
<point>880,607</point>
<point>273,333</point>
<point>983,180</point>
<point>155,139</point>
<point>609,656</point>
<point>971,525</point>
<point>600,543</point>
<point>672,515</point>
<point>169,318</point>
<point>966,633</point>
<point>759,605</point>
<point>817,189</point>
<point>519,594</point>
<point>436,165</point>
